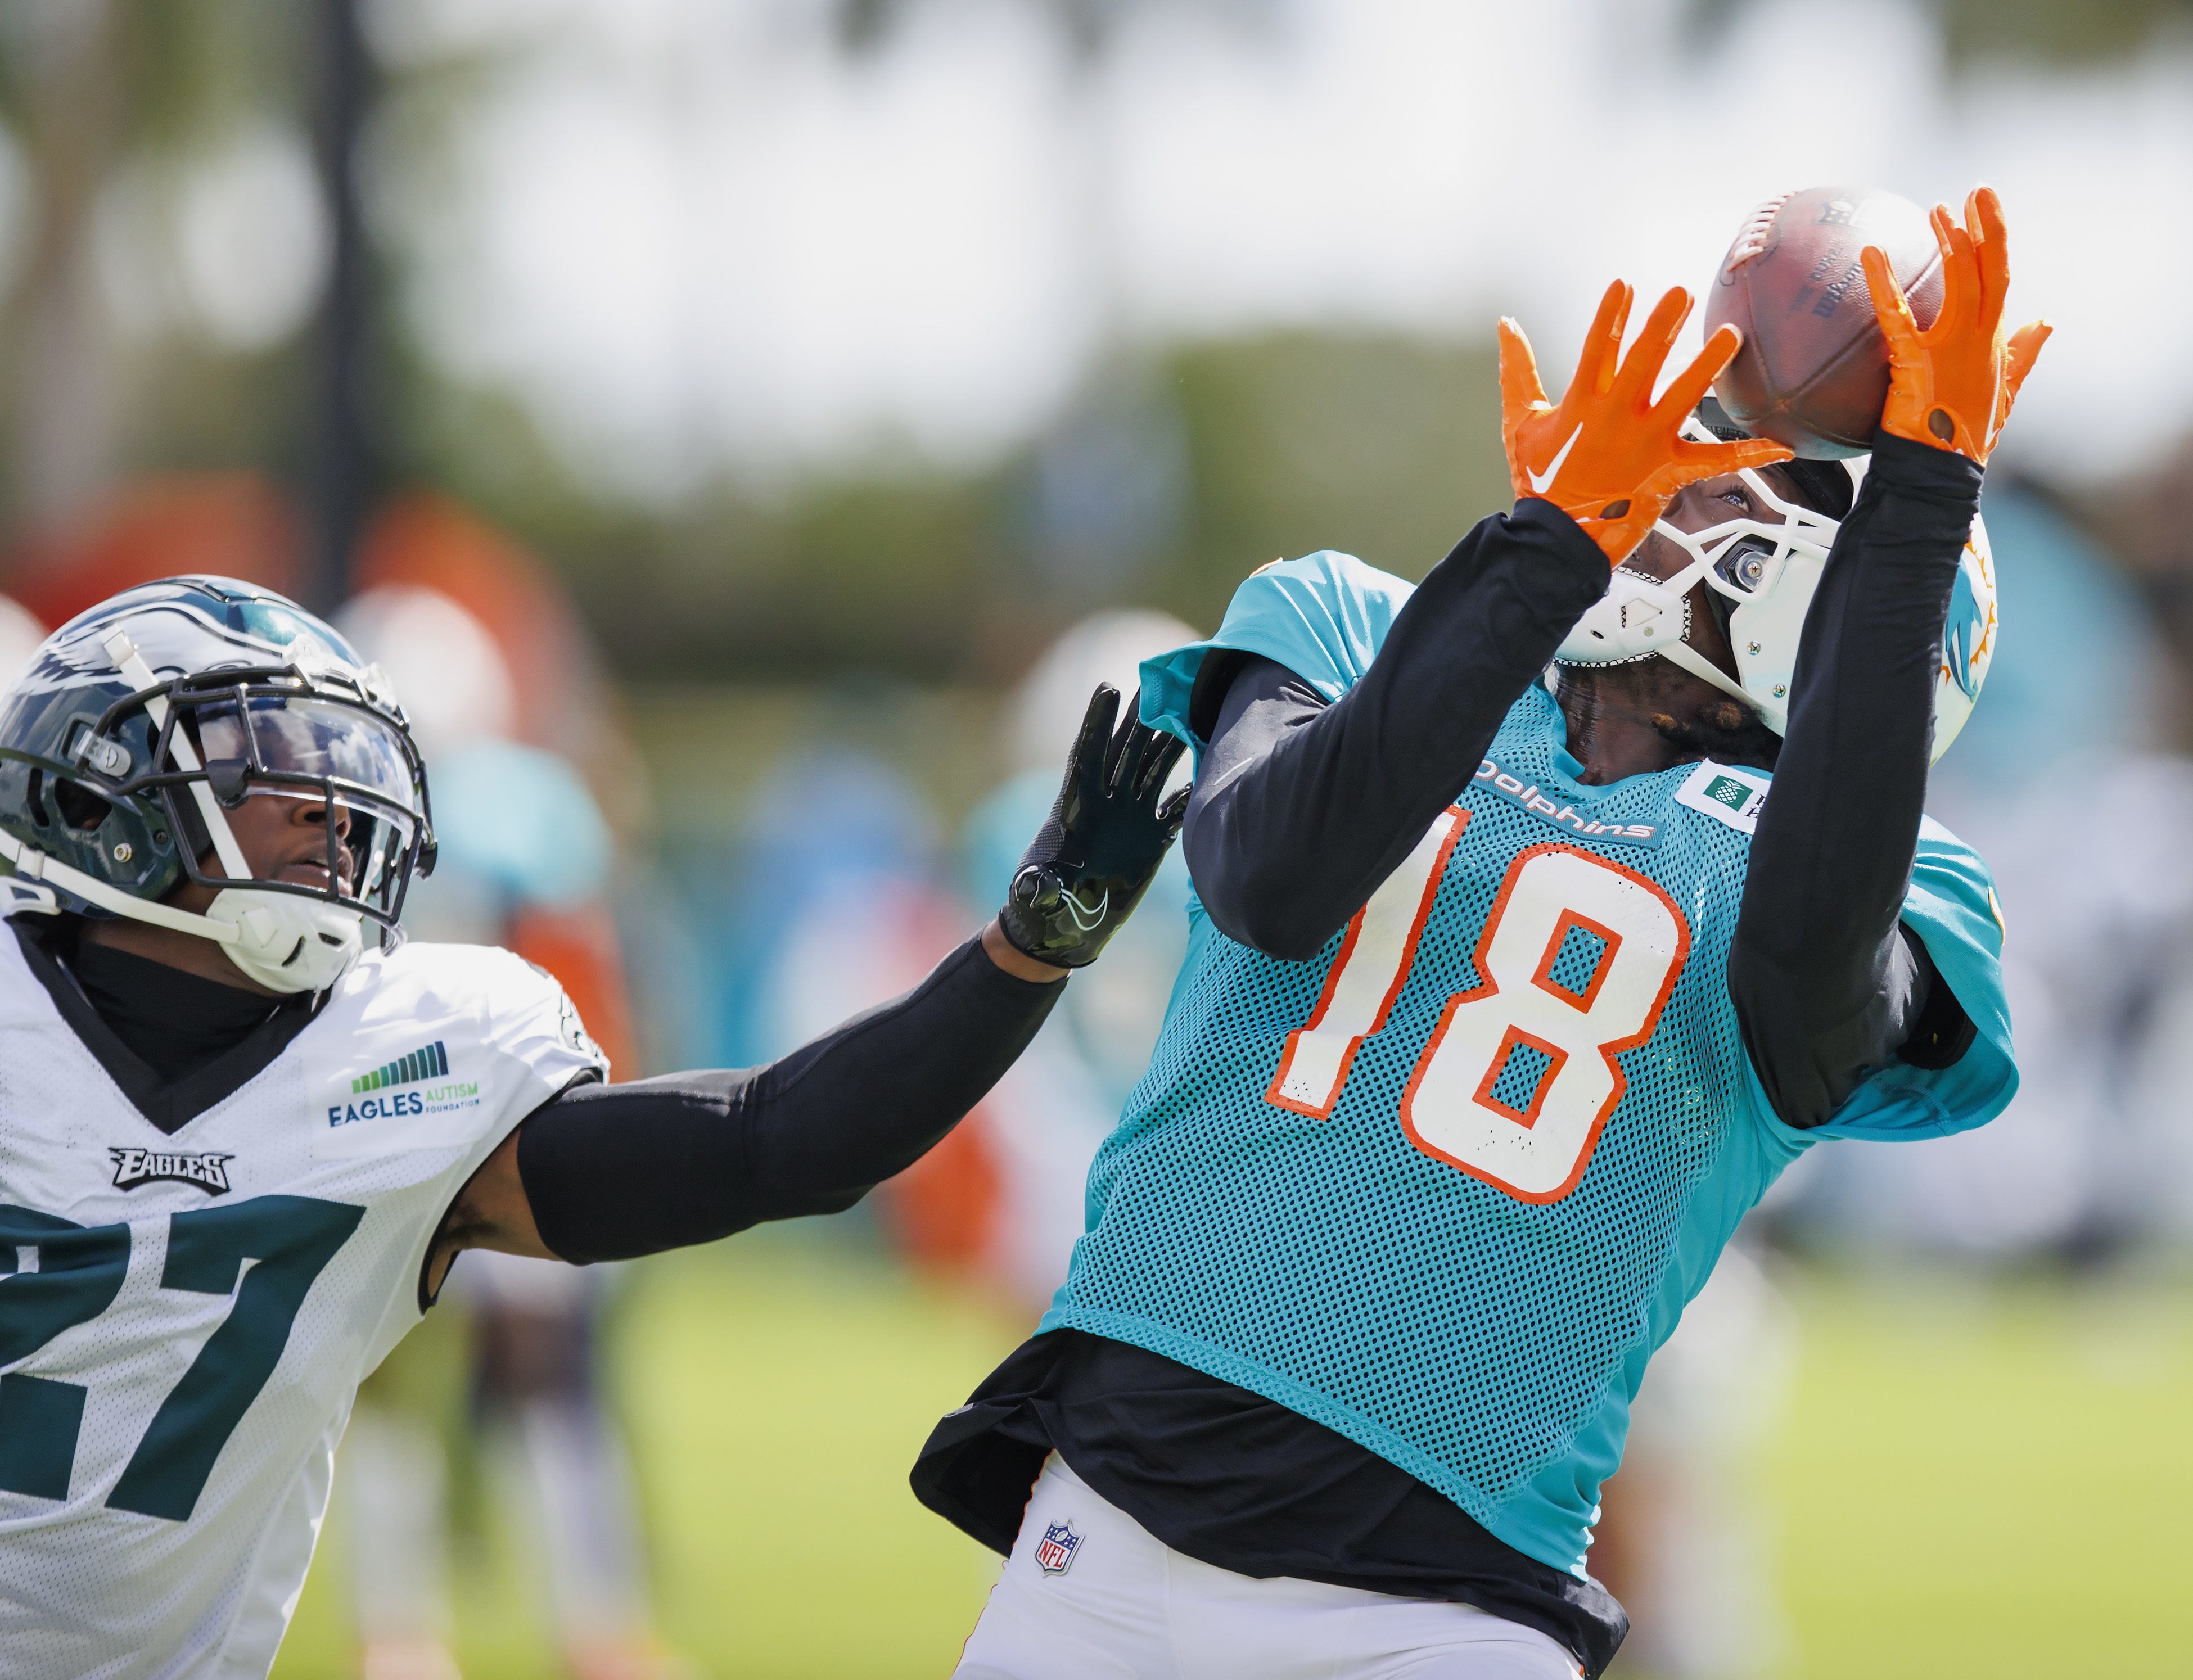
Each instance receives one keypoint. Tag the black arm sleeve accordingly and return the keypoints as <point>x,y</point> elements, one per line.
<point>1827,987</point>
<point>613,1171</point>
<point>1300,809</point>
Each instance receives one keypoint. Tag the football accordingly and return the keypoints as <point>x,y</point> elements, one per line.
<point>1813,369</point>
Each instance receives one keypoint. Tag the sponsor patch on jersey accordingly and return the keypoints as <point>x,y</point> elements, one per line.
<point>429,1061</point>
<point>1054,1552</point>
<point>1726,794</point>
<point>412,1101</point>
<point>134,1166</point>
<point>1550,806</point>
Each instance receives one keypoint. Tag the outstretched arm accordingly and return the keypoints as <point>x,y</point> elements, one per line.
<point>1827,984</point>
<point>607,1172</point>
<point>1827,987</point>
<point>1300,809</point>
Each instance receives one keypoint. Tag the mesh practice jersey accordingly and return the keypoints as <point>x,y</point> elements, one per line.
<point>185,1318</point>
<point>1445,1188</point>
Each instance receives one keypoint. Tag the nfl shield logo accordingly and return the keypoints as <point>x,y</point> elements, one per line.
<point>1054,1553</point>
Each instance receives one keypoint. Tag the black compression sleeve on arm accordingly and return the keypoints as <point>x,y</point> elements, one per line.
<point>613,1171</point>
<point>1300,809</point>
<point>1827,985</point>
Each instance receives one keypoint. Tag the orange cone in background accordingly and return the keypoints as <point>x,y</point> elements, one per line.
<point>565,703</point>
<point>579,947</point>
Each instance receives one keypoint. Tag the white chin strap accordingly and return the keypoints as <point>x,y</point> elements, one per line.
<point>284,942</point>
<point>1640,617</point>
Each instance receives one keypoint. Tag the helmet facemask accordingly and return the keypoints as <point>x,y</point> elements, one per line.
<point>1763,571</point>
<point>228,736</point>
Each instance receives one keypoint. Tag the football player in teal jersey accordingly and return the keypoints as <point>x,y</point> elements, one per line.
<point>1540,922</point>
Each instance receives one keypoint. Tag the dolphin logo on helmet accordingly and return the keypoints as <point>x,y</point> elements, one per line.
<point>1968,640</point>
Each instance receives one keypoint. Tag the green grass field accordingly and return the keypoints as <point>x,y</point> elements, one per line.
<point>1970,1481</point>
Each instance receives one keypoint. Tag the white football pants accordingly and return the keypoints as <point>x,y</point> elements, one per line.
<point>1125,1606</point>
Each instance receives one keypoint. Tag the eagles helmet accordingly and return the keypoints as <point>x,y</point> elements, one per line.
<point>143,723</point>
<point>1766,569</point>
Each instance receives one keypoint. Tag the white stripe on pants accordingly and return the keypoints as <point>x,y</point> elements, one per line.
<point>1127,1605</point>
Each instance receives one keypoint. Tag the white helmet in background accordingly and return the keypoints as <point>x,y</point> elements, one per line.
<point>1768,570</point>
<point>455,683</point>
<point>1107,647</point>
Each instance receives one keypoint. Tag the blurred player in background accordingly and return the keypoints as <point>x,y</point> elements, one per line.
<point>524,861</point>
<point>839,847</point>
<point>1502,1006</point>
<point>1683,1540</point>
<point>2095,1158</point>
<point>999,1201</point>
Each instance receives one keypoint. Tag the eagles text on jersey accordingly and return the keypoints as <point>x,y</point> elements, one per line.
<point>184,1320</point>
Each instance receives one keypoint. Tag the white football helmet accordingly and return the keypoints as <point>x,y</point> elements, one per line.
<point>1768,570</point>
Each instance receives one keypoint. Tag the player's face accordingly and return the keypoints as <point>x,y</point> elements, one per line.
<point>282,822</point>
<point>284,838</point>
<point>1704,505</point>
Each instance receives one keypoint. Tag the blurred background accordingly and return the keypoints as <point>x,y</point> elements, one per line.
<point>744,427</point>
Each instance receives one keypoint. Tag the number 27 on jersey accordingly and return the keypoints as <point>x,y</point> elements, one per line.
<point>1575,961</point>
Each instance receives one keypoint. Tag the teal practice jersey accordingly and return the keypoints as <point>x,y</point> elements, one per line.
<point>1445,1188</point>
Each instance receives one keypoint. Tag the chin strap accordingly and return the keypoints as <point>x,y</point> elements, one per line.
<point>286,943</point>
<point>34,866</point>
<point>1691,659</point>
<point>1676,653</point>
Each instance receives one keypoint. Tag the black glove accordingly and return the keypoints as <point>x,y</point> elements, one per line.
<point>1107,835</point>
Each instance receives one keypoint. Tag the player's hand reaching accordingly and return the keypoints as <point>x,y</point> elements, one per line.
<point>1951,385</point>
<point>1608,455</point>
<point>1095,857</point>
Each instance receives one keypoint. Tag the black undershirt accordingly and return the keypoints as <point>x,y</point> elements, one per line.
<point>1300,809</point>
<point>174,1043</point>
<point>173,1021</point>
<point>1223,1475</point>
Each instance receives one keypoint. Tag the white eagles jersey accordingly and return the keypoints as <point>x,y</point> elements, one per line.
<point>185,1318</point>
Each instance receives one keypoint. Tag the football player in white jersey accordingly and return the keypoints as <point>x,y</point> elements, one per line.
<point>240,1141</point>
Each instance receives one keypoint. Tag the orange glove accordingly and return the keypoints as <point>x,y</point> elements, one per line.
<point>1952,385</point>
<point>1609,456</point>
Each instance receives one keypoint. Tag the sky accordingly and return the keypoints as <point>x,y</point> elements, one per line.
<point>697,235</point>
